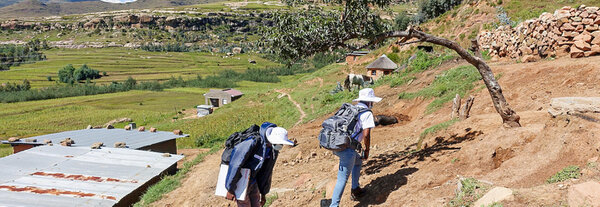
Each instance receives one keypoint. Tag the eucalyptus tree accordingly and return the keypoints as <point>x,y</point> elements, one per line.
<point>309,28</point>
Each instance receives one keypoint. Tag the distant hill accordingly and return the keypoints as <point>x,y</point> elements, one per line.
<point>40,8</point>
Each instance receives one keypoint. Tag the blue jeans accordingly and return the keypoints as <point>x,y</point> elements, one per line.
<point>350,162</point>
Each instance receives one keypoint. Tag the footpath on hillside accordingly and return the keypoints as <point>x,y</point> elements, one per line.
<point>477,152</point>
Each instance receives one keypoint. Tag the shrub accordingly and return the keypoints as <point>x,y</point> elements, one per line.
<point>394,57</point>
<point>429,9</point>
<point>11,87</point>
<point>445,86</point>
<point>258,75</point>
<point>424,60</point>
<point>471,190</point>
<point>402,21</point>
<point>69,74</point>
<point>65,74</point>
<point>570,172</point>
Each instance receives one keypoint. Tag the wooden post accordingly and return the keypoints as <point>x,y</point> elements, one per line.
<point>455,107</point>
<point>466,109</point>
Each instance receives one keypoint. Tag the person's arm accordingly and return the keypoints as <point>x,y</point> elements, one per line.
<point>368,123</point>
<point>367,142</point>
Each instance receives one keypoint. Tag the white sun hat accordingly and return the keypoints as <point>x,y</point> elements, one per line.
<point>278,135</point>
<point>367,94</point>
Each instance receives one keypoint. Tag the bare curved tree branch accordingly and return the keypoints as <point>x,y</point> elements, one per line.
<point>509,117</point>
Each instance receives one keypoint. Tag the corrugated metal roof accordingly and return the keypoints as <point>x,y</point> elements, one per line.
<point>86,137</point>
<point>233,92</point>
<point>358,53</point>
<point>76,176</point>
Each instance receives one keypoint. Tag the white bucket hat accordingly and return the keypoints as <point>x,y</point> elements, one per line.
<point>278,135</point>
<point>367,94</point>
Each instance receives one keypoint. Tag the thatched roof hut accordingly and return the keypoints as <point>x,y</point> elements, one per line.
<point>380,67</point>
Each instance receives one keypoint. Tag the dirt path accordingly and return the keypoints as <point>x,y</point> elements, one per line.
<point>302,113</point>
<point>198,188</point>
<point>397,175</point>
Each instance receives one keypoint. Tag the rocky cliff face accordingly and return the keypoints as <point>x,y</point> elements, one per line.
<point>236,22</point>
<point>569,31</point>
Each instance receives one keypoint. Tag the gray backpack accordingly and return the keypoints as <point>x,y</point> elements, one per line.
<point>338,131</point>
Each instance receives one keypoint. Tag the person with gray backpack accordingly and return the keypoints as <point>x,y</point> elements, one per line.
<point>342,133</point>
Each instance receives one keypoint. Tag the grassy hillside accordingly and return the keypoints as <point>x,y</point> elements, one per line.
<point>36,8</point>
<point>158,109</point>
<point>120,63</point>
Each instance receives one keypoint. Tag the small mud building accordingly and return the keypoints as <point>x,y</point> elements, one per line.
<point>351,57</point>
<point>218,98</point>
<point>380,67</point>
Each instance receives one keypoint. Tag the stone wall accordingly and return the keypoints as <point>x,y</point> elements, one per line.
<point>571,32</point>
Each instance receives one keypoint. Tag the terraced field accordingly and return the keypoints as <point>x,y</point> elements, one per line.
<point>120,63</point>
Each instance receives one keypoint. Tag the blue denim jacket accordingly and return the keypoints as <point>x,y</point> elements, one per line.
<point>254,154</point>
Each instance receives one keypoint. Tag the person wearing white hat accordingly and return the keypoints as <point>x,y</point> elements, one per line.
<point>258,153</point>
<point>350,160</point>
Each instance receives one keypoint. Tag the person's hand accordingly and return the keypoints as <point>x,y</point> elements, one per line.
<point>263,200</point>
<point>366,154</point>
<point>230,196</point>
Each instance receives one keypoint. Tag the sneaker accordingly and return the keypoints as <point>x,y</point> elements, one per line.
<point>357,193</point>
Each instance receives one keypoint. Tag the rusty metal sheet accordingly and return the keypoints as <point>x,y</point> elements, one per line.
<point>86,137</point>
<point>77,176</point>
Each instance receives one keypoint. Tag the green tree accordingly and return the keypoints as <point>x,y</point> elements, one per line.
<point>65,74</point>
<point>309,30</point>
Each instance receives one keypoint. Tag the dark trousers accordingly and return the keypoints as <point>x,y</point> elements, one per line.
<point>252,197</point>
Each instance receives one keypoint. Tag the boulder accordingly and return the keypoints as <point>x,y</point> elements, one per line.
<point>120,145</point>
<point>495,195</point>
<point>384,120</point>
<point>67,142</point>
<point>526,50</point>
<point>583,37</point>
<point>567,27</point>
<point>576,53</point>
<point>569,34</point>
<point>585,194</point>
<point>563,50</point>
<point>97,145</point>
<point>144,19</point>
<point>237,50</point>
<point>587,21</point>
<point>591,28</point>
<point>595,50</point>
<point>582,45</point>
<point>30,140</point>
<point>562,14</point>
<point>570,105</point>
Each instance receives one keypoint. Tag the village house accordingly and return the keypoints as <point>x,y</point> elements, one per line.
<point>218,98</point>
<point>380,67</point>
<point>351,57</point>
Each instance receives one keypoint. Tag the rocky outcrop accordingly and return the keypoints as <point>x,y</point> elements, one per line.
<point>236,22</point>
<point>572,32</point>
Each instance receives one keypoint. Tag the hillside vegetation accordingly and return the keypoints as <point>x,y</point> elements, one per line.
<point>40,8</point>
